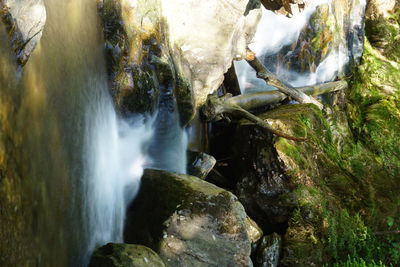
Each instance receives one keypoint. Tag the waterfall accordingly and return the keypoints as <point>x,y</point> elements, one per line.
<point>167,150</point>
<point>114,158</point>
<point>275,32</point>
<point>78,163</point>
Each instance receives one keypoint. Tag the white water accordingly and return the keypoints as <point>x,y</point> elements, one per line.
<point>115,155</point>
<point>168,146</point>
<point>277,31</point>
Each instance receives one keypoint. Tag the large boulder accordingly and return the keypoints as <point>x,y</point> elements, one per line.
<point>25,21</point>
<point>196,52</point>
<point>190,222</point>
<point>124,255</point>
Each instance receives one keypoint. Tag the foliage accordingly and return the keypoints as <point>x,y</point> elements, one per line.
<point>357,262</point>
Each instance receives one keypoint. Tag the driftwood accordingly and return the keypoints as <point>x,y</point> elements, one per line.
<point>274,81</point>
<point>217,108</point>
<point>261,99</point>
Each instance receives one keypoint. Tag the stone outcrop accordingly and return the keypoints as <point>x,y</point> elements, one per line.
<point>195,52</point>
<point>25,21</point>
<point>190,222</point>
<point>123,255</point>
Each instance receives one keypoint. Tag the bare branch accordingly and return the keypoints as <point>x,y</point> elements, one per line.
<point>273,80</point>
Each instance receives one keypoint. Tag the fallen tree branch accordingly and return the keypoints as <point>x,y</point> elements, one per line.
<point>274,81</point>
<point>260,99</point>
<point>217,108</point>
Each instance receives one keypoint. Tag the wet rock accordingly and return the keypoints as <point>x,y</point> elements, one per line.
<point>188,221</point>
<point>130,46</point>
<point>123,255</point>
<point>200,164</point>
<point>268,251</point>
<point>25,21</point>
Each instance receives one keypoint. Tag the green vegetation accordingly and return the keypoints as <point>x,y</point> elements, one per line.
<point>347,173</point>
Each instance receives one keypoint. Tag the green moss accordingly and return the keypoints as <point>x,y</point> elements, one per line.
<point>184,98</point>
<point>342,190</point>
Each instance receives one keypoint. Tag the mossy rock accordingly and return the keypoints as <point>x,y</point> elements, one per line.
<point>332,191</point>
<point>189,222</point>
<point>124,255</point>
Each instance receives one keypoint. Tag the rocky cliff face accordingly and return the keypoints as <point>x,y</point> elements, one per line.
<point>196,52</point>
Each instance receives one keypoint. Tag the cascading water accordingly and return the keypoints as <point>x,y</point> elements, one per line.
<point>79,162</point>
<point>168,147</point>
<point>113,156</point>
<point>276,32</point>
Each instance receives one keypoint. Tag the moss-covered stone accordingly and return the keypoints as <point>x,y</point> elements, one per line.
<point>189,222</point>
<point>333,191</point>
<point>339,189</point>
<point>124,255</point>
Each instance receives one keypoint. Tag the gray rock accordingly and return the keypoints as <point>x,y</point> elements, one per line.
<point>200,164</point>
<point>189,222</point>
<point>123,255</point>
<point>269,251</point>
<point>25,21</point>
